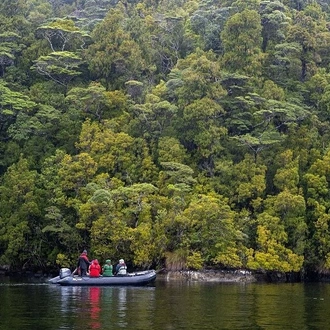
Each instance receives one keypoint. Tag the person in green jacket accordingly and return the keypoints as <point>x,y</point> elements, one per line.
<point>107,268</point>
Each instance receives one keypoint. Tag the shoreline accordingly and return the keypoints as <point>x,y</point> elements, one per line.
<point>238,276</point>
<point>204,275</point>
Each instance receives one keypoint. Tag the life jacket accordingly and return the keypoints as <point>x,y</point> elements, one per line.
<point>83,262</point>
<point>94,269</point>
<point>107,270</point>
<point>122,269</point>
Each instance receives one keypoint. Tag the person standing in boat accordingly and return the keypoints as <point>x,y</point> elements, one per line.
<point>107,268</point>
<point>83,264</point>
<point>121,268</point>
<point>94,269</point>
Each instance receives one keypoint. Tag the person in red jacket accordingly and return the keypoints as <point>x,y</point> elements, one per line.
<point>95,269</point>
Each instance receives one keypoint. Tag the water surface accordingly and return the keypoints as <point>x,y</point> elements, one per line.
<point>164,306</point>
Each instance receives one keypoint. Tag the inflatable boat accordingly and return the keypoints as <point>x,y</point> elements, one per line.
<point>134,279</point>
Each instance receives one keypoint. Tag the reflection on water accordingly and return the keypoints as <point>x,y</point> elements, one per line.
<point>166,306</point>
<point>94,295</point>
<point>104,307</point>
<point>122,301</point>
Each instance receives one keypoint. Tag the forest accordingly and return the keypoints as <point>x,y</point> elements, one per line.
<point>172,133</point>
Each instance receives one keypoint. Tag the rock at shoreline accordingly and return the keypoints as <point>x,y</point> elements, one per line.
<point>212,276</point>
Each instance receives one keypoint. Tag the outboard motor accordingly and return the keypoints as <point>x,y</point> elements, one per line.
<point>65,272</point>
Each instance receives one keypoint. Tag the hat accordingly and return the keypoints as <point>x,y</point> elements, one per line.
<point>121,261</point>
<point>85,251</point>
<point>107,261</point>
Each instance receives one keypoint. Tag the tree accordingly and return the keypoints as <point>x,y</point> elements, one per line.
<point>10,47</point>
<point>170,41</point>
<point>195,77</point>
<point>114,56</point>
<point>153,118</point>
<point>203,129</point>
<point>317,193</point>
<point>88,13</point>
<point>170,150</point>
<point>121,222</point>
<point>62,238</point>
<point>271,253</point>
<point>38,11</point>
<point>95,102</point>
<point>318,92</point>
<point>208,22</point>
<point>270,121</point>
<point>274,23</point>
<point>66,42</point>
<point>241,39</point>
<point>62,35</point>
<point>248,183</point>
<point>76,172</point>
<point>11,104</point>
<point>117,154</point>
<point>206,226</point>
<point>60,67</point>
<point>11,8</point>
<point>310,34</point>
<point>21,240</point>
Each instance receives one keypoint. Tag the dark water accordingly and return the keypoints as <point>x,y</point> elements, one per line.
<point>165,306</point>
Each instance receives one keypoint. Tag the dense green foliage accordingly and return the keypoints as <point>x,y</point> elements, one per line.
<point>181,133</point>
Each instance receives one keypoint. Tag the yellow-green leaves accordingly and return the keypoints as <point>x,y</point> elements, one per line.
<point>75,172</point>
<point>272,253</point>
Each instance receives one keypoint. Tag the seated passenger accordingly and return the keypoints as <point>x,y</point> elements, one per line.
<point>95,269</point>
<point>107,268</point>
<point>121,268</point>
